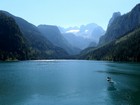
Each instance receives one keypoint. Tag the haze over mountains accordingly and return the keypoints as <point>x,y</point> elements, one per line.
<point>83,36</point>
<point>53,34</point>
<point>21,40</point>
<point>42,42</point>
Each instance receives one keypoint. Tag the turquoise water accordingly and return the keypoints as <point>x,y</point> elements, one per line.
<point>69,82</point>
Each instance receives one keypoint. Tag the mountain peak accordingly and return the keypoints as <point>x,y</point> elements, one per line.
<point>49,28</point>
<point>136,8</point>
<point>121,25</point>
<point>114,16</point>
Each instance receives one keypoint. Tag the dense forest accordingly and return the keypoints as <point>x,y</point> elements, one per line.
<point>126,48</point>
<point>12,43</point>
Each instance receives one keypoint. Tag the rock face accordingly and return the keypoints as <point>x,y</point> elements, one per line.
<point>114,16</point>
<point>121,25</point>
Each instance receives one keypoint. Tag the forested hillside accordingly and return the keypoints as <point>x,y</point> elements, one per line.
<point>12,42</point>
<point>126,48</point>
<point>22,40</point>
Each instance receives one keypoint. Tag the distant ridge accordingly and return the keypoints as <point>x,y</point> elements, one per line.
<point>53,34</point>
<point>84,35</point>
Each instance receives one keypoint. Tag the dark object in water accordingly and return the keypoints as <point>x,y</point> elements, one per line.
<point>110,84</point>
<point>110,80</point>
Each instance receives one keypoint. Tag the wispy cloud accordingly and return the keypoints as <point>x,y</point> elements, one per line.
<point>72,31</point>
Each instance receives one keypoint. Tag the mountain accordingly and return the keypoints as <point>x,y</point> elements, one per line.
<point>121,25</point>
<point>84,35</point>
<point>41,47</point>
<point>114,16</point>
<point>125,48</point>
<point>12,42</point>
<point>92,44</point>
<point>121,41</point>
<point>69,29</point>
<point>97,33</point>
<point>53,34</point>
<point>91,31</point>
<point>77,41</point>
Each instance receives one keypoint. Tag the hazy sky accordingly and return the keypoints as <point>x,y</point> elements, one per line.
<point>67,12</point>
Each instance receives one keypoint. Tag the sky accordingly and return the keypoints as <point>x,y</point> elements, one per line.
<point>67,13</point>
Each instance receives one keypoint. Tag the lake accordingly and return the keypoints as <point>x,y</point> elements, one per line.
<point>69,82</point>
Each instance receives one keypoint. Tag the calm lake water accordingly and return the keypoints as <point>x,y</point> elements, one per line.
<point>69,82</point>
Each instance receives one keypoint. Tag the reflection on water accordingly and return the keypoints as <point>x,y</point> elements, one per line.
<point>127,77</point>
<point>111,86</point>
<point>69,83</point>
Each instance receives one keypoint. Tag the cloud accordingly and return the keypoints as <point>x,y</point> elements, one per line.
<point>86,31</point>
<point>72,31</point>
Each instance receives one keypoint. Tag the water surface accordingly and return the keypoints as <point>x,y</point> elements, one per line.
<point>69,82</point>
